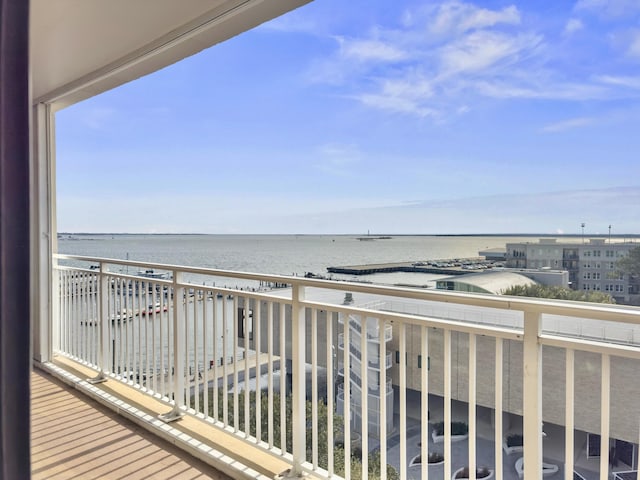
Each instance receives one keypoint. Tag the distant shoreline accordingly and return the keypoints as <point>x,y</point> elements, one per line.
<point>359,235</point>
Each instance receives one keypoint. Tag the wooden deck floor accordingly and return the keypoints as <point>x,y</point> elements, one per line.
<point>74,437</point>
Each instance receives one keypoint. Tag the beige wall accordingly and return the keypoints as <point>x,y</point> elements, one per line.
<point>625,380</point>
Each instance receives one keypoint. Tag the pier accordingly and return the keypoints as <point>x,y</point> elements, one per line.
<point>456,266</point>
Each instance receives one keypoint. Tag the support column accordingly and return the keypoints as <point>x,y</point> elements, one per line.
<point>43,243</point>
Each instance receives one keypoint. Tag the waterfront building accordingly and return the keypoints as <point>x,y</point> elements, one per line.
<point>591,265</point>
<point>497,281</point>
<point>485,282</point>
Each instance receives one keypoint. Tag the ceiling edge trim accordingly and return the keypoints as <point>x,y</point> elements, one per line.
<point>164,43</point>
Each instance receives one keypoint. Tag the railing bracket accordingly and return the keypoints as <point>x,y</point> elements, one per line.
<point>288,474</point>
<point>100,378</point>
<point>172,416</point>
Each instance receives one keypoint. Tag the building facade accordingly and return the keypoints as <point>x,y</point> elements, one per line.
<point>591,265</point>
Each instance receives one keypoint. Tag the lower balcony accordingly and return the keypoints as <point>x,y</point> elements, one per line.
<point>246,379</point>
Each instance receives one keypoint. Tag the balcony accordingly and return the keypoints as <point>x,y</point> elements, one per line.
<point>193,347</point>
<point>97,443</point>
<point>149,353</point>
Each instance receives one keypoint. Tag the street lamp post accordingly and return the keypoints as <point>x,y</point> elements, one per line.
<point>609,233</point>
<point>582,225</point>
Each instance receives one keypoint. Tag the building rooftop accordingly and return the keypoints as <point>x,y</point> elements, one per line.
<point>491,282</point>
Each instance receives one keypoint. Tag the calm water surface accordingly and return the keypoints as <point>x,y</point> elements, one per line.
<point>276,254</point>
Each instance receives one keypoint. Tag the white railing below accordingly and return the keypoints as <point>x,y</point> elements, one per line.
<point>251,359</point>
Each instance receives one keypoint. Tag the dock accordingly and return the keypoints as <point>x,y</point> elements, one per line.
<point>456,266</point>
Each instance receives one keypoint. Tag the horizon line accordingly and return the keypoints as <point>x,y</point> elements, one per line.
<point>480,234</point>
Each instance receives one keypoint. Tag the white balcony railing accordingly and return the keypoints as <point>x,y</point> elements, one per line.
<point>195,344</point>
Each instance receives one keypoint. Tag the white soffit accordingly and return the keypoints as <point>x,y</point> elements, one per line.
<point>80,48</point>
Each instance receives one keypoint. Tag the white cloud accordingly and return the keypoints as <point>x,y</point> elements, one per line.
<point>442,58</point>
<point>461,17</point>
<point>352,59</point>
<point>397,103</point>
<point>608,8</point>
<point>620,81</point>
<point>368,50</point>
<point>416,69</point>
<point>548,90</point>
<point>481,50</point>
<point>634,46</point>
<point>572,26</point>
<point>569,124</point>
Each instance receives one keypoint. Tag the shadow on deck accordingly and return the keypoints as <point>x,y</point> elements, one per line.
<point>72,436</point>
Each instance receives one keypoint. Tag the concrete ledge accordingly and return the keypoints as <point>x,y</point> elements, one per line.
<point>222,450</point>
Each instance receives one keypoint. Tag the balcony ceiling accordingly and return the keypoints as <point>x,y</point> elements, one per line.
<point>80,48</point>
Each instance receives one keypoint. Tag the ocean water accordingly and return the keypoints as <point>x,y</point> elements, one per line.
<point>277,254</point>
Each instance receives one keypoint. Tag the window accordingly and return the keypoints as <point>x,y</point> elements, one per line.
<point>241,323</point>
<point>420,362</point>
<point>398,357</point>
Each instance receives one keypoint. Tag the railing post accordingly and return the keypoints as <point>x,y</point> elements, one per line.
<point>532,393</point>
<point>178,351</point>
<point>55,317</point>
<point>102,285</point>
<point>298,393</point>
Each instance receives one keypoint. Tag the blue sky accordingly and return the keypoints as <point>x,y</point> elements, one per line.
<point>393,117</point>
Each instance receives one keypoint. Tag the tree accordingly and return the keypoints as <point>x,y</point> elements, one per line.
<point>559,293</point>
<point>323,437</point>
<point>630,264</point>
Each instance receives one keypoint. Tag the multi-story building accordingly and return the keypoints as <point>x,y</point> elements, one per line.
<point>374,364</point>
<point>591,265</point>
